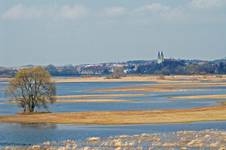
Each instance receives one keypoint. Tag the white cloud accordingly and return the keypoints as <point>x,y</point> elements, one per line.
<point>71,12</point>
<point>161,11</point>
<point>20,11</point>
<point>153,8</point>
<point>151,11</point>
<point>208,3</point>
<point>174,14</point>
<point>115,11</point>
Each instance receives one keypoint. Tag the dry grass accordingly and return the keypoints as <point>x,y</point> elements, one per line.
<point>91,101</point>
<point>141,78</point>
<point>220,96</point>
<point>216,113</point>
<point>165,87</point>
<point>97,96</point>
<point>147,78</point>
<point>4,79</point>
<point>104,79</point>
<point>81,101</point>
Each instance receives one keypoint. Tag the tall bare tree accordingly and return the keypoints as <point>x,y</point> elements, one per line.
<point>118,72</point>
<point>31,88</point>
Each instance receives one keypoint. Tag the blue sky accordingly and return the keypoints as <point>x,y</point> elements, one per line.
<point>64,32</point>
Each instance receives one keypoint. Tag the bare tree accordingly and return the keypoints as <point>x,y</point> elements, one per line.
<point>118,72</point>
<point>31,88</point>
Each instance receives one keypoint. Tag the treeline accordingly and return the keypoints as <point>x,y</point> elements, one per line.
<point>7,72</point>
<point>182,67</point>
<point>168,67</point>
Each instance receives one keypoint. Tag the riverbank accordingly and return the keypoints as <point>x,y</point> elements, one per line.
<point>97,96</point>
<point>165,87</point>
<point>217,113</point>
<point>145,78</point>
<point>139,78</point>
<point>64,101</point>
<point>216,96</point>
<point>89,98</point>
<point>92,101</point>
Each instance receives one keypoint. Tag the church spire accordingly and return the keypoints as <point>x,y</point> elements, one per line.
<point>160,57</point>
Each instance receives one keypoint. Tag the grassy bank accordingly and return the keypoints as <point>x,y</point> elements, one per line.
<point>140,78</point>
<point>216,113</point>
<point>97,96</point>
<point>165,87</point>
<point>218,96</point>
<point>145,78</point>
<point>92,101</point>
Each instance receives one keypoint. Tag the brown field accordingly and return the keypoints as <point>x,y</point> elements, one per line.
<point>220,96</point>
<point>216,113</point>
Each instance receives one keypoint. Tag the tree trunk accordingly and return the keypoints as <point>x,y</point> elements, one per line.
<point>31,106</point>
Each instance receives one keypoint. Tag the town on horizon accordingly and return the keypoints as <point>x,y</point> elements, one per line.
<point>160,65</point>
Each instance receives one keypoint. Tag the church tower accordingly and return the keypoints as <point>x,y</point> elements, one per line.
<point>160,57</point>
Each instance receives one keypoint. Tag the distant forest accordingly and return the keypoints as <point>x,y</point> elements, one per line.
<point>167,67</point>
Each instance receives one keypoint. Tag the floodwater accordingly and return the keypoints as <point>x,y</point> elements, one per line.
<point>25,134</point>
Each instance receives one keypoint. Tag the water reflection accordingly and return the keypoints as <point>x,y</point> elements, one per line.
<point>38,125</point>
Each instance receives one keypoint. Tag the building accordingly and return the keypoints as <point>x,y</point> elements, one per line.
<point>160,57</point>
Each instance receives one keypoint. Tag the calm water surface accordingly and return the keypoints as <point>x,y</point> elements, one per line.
<point>152,100</point>
<point>17,134</point>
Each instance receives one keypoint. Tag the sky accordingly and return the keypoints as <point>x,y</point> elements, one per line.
<point>63,32</point>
